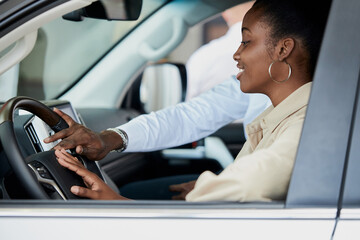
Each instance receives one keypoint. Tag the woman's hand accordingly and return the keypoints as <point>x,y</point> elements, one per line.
<point>183,188</point>
<point>96,188</point>
<point>94,146</point>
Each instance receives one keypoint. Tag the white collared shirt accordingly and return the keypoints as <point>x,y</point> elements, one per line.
<point>190,121</point>
<point>262,169</point>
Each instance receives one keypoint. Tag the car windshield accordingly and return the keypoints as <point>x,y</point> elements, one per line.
<point>63,53</point>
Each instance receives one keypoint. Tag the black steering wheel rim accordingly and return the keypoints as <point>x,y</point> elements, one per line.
<point>12,150</point>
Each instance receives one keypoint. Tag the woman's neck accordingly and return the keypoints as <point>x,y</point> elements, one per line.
<point>283,90</point>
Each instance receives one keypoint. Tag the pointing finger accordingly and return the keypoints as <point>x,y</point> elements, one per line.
<point>59,135</point>
<point>64,116</point>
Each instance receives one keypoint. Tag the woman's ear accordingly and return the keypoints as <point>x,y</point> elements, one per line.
<point>285,48</point>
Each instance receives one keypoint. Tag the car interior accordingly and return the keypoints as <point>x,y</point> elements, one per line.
<point>48,76</point>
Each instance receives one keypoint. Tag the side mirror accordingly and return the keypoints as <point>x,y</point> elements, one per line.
<point>162,85</point>
<point>108,10</point>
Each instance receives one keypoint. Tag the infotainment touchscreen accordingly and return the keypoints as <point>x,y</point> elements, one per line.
<point>69,110</point>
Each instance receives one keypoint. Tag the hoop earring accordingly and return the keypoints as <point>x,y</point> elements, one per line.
<point>277,80</point>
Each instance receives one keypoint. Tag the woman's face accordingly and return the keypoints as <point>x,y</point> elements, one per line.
<point>253,56</point>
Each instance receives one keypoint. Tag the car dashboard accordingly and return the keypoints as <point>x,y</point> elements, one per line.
<point>30,131</point>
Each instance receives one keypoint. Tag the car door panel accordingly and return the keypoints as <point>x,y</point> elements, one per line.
<point>348,224</point>
<point>159,220</point>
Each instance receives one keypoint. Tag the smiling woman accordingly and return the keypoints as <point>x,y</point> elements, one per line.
<point>262,170</point>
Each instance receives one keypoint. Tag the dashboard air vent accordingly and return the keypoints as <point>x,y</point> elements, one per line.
<point>33,138</point>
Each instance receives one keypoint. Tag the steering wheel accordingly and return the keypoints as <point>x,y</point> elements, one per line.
<point>40,174</point>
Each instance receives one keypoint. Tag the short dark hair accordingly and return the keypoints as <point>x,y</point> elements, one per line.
<point>301,19</point>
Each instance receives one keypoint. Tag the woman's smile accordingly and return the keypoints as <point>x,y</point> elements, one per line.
<point>241,71</point>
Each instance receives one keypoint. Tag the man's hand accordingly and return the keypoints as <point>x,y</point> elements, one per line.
<point>96,188</point>
<point>183,188</point>
<point>94,146</point>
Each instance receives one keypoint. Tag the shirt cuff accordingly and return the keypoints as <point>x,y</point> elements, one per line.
<point>135,137</point>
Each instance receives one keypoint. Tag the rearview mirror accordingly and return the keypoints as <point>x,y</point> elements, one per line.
<point>162,85</point>
<point>108,10</point>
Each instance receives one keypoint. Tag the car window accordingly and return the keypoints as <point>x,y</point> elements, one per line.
<point>65,50</point>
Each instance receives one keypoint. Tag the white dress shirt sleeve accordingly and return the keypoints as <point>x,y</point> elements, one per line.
<point>189,121</point>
